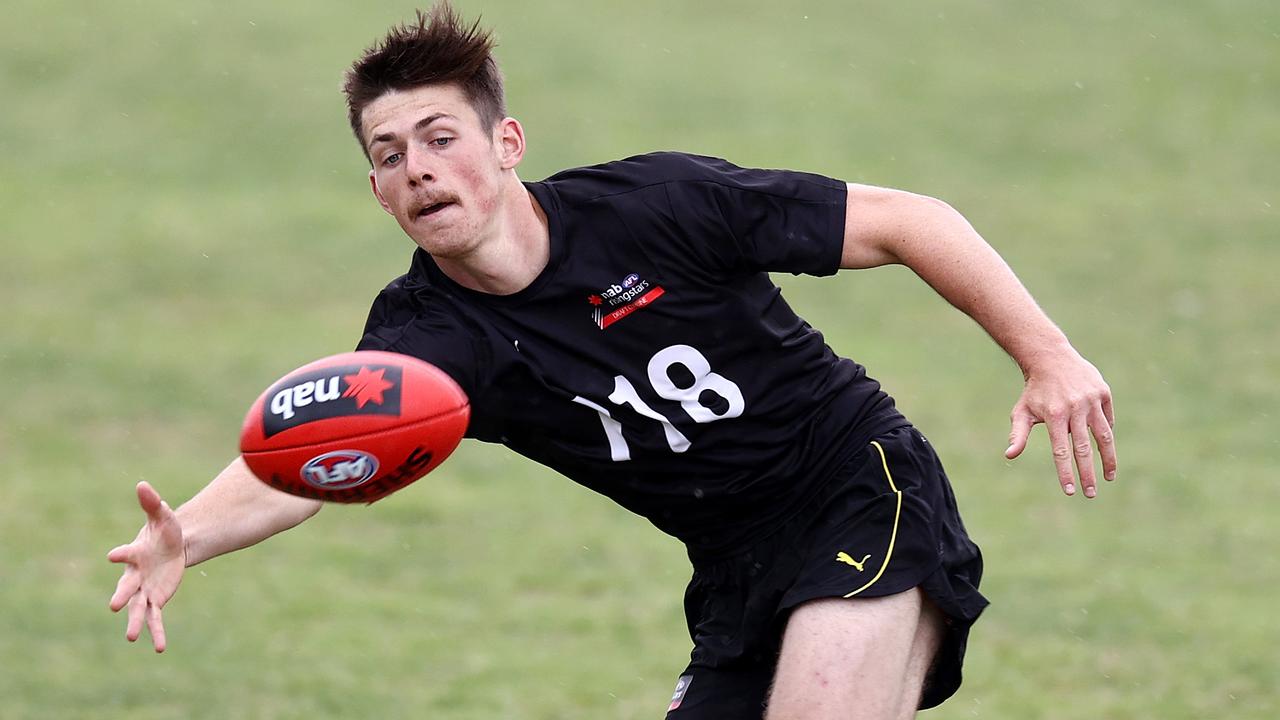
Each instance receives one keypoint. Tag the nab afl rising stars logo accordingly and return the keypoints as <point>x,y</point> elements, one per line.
<point>621,299</point>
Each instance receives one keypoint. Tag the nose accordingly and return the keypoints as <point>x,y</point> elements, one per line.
<point>417,166</point>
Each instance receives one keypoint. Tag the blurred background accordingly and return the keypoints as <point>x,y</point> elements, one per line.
<point>184,217</point>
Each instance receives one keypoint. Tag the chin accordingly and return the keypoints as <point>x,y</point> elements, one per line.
<point>444,244</point>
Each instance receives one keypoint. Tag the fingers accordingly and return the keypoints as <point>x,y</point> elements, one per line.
<point>130,591</point>
<point>1060,442</point>
<point>137,609</point>
<point>1101,426</point>
<point>142,611</point>
<point>1074,402</point>
<point>155,624</point>
<point>1071,446</point>
<point>1082,448</point>
<point>130,583</point>
<point>121,554</point>
<point>1021,422</point>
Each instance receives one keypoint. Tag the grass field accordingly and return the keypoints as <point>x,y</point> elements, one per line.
<point>184,217</point>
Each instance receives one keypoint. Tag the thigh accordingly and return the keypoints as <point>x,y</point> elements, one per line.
<point>909,537</point>
<point>856,658</point>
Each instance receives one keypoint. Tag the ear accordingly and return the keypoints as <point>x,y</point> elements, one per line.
<point>509,139</point>
<point>373,185</point>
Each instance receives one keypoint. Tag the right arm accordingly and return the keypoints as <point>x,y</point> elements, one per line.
<point>233,511</point>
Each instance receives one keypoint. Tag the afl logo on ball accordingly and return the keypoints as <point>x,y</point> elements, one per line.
<point>339,469</point>
<point>332,392</point>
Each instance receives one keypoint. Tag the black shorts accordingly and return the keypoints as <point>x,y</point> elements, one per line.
<point>886,523</point>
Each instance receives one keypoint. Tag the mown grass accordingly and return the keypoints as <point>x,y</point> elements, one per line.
<point>184,217</point>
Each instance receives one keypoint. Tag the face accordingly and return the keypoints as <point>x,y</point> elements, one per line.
<point>436,170</point>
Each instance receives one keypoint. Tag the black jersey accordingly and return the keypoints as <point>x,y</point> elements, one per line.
<point>653,360</point>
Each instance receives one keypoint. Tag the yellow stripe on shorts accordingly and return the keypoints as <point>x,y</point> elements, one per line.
<point>897,513</point>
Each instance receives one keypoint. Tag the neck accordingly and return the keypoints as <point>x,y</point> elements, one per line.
<point>515,254</point>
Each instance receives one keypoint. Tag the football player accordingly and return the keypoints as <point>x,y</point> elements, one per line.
<point>617,323</point>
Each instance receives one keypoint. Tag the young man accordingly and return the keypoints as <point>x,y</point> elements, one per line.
<point>616,323</point>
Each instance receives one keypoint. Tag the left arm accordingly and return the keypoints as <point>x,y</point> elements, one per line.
<point>1063,390</point>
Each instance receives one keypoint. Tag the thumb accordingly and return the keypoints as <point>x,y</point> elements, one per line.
<point>1021,423</point>
<point>150,500</point>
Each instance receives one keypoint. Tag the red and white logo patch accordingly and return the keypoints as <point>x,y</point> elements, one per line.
<point>682,687</point>
<point>621,299</point>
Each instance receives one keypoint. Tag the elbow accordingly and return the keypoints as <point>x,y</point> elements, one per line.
<point>923,222</point>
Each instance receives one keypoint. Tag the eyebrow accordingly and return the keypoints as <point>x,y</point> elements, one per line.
<point>424,122</point>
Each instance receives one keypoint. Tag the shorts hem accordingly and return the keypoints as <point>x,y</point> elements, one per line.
<point>878,589</point>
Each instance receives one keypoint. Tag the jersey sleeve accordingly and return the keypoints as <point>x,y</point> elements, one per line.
<point>400,323</point>
<point>759,220</point>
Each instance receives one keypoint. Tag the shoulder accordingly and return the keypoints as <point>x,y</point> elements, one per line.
<point>638,172</point>
<point>413,317</point>
<point>394,308</point>
<point>416,320</point>
<point>405,307</point>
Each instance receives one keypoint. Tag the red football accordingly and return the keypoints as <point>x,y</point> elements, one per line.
<point>354,427</point>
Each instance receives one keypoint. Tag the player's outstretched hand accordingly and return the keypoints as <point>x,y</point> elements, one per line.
<point>1069,396</point>
<point>154,561</point>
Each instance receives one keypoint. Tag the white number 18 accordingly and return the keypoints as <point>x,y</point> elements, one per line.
<point>659,371</point>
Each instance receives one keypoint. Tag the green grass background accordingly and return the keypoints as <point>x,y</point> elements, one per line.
<point>184,217</point>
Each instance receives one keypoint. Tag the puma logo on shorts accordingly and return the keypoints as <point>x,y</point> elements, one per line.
<point>844,558</point>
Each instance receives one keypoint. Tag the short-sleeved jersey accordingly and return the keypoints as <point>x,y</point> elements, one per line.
<point>653,360</point>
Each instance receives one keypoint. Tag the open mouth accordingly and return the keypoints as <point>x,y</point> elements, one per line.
<point>432,209</point>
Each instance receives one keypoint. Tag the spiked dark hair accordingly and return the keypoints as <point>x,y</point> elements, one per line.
<point>438,48</point>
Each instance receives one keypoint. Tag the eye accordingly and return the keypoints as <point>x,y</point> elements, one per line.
<point>441,141</point>
<point>392,159</point>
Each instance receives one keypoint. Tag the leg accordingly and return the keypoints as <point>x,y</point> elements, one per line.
<point>863,659</point>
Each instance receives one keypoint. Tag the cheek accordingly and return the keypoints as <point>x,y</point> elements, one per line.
<point>386,190</point>
<point>483,189</point>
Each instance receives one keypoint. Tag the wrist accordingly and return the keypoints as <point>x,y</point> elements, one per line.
<point>190,544</point>
<point>1042,353</point>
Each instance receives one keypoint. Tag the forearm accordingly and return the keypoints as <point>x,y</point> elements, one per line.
<point>938,244</point>
<point>237,510</point>
<point>1062,390</point>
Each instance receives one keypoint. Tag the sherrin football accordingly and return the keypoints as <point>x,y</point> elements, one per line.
<point>355,427</point>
